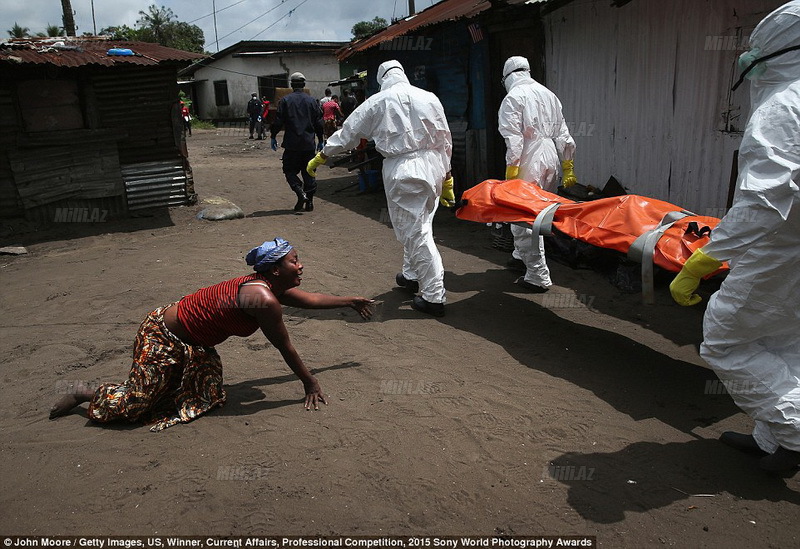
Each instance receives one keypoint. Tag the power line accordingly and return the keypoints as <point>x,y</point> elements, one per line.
<point>216,11</point>
<point>290,12</point>
<point>256,19</point>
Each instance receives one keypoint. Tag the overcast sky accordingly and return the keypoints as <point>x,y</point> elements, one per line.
<point>236,20</point>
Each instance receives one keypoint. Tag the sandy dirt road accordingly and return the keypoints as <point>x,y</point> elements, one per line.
<point>580,411</point>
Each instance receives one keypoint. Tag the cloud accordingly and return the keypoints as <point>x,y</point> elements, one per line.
<point>328,20</point>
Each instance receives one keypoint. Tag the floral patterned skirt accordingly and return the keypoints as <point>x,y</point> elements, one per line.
<point>170,382</point>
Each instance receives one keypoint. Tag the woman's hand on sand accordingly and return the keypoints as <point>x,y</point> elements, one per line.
<point>313,395</point>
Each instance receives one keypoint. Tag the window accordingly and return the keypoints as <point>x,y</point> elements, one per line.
<point>221,93</point>
<point>267,85</point>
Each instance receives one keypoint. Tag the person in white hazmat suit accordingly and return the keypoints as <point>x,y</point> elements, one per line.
<point>536,135</point>
<point>751,327</point>
<point>410,130</point>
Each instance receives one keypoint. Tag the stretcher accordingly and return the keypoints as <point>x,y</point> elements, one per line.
<point>649,231</point>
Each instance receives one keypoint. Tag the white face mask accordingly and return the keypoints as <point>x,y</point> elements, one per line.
<point>747,59</point>
<point>753,64</point>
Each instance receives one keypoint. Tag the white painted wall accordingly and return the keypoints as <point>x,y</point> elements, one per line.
<point>241,74</point>
<point>644,89</point>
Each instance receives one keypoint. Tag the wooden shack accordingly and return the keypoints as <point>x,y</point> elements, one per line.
<point>91,126</point>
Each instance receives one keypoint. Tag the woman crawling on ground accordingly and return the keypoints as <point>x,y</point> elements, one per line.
<point>177,374</point>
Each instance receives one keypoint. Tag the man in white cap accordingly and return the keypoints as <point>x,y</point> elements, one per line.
<point>751,328</point>
<point>300,118</point>
<point>531,122</point>
<point>410,130</point>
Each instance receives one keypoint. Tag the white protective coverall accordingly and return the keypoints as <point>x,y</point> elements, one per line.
<point>410,130</point>
<point>531,122</point>
<point>751,327</point>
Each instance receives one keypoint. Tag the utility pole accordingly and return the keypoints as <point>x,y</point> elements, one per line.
<point>68,18</point>
<point>94,23</point>
<point>216,36</point>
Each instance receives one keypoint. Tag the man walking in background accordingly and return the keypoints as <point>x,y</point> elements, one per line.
<point>253,112</point>
<point>300,118</point>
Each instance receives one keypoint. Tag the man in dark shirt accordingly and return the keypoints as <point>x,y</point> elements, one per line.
<point>348,103</point>
<point>300,118</point>
<point>253,112</point>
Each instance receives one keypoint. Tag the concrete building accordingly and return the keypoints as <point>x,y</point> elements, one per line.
<point>220,85</point>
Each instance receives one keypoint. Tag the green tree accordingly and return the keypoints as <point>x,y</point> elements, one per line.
<point>122,33</point>
<point>156,19</point>
<point>183,36</point>
<point>51,31</point>
<point>362,29</point>
<point>18,32</point>
<point>160,25</point>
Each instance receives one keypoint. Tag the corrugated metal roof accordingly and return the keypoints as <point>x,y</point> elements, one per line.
<point>82,51</point>
<point>448,10</point>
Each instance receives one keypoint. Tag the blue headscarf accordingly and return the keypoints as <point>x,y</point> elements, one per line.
<point>269,253</point>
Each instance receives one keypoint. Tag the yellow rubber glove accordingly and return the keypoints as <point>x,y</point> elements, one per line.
<point>569,178</point>
<point>686,282</point>
<point>448,198</point>
<point>314,163</point>
<point>512,172</point>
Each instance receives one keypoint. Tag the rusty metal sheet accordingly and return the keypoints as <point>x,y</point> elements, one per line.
<point>82,51</point>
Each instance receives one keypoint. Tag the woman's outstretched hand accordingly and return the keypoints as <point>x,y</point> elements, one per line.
<point>362,306</point>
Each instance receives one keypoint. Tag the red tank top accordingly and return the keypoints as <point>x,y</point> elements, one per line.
<point>211,315</point>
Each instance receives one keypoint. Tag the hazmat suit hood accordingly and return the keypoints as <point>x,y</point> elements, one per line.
<point>515,71</point>
<point>778,30</point>
<point>391,73</point>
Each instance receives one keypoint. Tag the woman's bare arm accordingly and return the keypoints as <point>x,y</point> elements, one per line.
<point>296,297</point>
<point>257,301</point>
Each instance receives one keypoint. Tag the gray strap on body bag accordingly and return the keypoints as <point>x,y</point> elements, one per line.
<point>643,249</point>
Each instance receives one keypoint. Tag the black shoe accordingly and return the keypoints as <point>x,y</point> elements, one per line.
<point>530,287</point>
<point>743,443</point>
<point>782,460</point>
<point>410,285</point>
<point>434,309</point>
<point>309,205</point>
<point>502,239</point>
<point>301,203</point>
<point>516,265</point>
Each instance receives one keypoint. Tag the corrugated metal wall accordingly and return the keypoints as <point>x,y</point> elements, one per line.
<point>137,102</point>
<point>132,126</point>
<point>10,205</point>
<point>644,90</point>
<point>60,167</point>
<point>151,184</point>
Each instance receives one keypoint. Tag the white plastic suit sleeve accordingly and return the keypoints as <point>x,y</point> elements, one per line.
<point>564,142</point>
<point>510,126</point>
<point>356,127</point>
<point>769,163</point>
